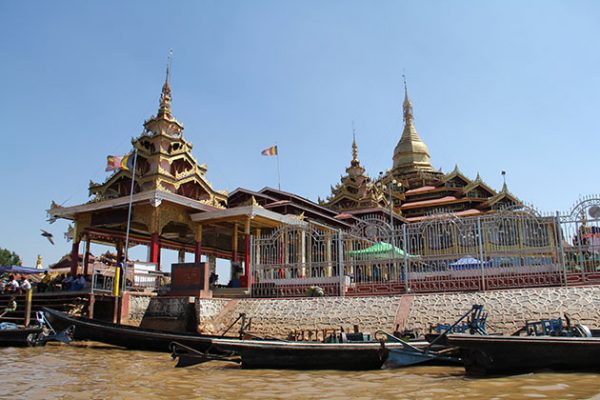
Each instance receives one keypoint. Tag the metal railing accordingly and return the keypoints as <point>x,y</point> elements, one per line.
<point>507,249</point>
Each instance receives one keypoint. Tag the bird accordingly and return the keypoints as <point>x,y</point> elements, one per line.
<point>47,235</point>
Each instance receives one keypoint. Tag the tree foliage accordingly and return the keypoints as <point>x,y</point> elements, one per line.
<point>8,257</point>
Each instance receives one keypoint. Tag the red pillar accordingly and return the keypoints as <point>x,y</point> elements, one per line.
<point>198,252</point>
<point>74,257</point>
<point>247,260</point>
<point>155,249</point>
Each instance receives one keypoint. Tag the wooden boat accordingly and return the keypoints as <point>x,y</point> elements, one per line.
<point>280,354</point>
<point>496,354</point>
<point>129,337</point>
<point>20,336</point>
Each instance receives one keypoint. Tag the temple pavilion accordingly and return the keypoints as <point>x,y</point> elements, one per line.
<point>173,205</point>
<point>413,188</point>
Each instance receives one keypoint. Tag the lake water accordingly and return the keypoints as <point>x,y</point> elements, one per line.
<point>97,371</point>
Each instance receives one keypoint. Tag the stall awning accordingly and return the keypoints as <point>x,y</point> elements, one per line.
<point>17,269</point>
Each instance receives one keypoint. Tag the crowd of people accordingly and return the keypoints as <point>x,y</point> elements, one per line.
<point>10,284</point>
<point>48,283</point>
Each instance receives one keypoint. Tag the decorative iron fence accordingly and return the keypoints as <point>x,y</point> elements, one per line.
<point>507,249</point>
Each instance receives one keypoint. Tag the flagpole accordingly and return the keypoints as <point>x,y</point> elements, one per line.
<point>278,173</point>
<point>129,222</point>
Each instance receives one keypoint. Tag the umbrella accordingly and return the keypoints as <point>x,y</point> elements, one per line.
<point>379,250</point>
<point>467,262</point>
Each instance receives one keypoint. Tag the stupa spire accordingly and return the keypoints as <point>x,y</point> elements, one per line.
<point>411,154</point>
<point>164,123</point>
<point>407,105</point>
<point>354,146</point>
<point>164,109</point>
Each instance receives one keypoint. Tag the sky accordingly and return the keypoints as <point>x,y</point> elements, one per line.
<point>495,85</point>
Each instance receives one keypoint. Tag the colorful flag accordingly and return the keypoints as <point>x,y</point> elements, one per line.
<point>119,162</point>
<point>271,151</point>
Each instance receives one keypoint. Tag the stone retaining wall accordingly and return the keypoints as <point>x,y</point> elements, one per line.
<point>507,310</point>
<point>163,313</point>
<point>278,317</point>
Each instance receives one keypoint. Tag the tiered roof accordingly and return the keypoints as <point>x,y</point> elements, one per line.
<point>164,162</point>
<point>355,190</point>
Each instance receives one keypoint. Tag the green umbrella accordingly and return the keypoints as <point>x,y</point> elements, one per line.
<point>379,250</point>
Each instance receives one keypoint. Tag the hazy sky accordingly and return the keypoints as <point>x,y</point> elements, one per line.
<point>496,85</point>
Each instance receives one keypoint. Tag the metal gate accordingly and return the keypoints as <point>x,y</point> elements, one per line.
<point>580,242</point>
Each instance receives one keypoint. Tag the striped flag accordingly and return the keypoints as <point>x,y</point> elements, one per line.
<point>271,151</point>
<point>114,163</point>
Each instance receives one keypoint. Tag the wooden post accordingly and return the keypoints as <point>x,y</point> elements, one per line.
<point>86,256</point>
<point>198,245</point>
<point>28,301</point>
<point>234,244</point>
<point>90,313</point>
<point>247,253</point>
<point>116,287</point>
<point>74,257</point>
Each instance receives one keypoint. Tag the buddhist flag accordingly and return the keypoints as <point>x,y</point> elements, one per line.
<point>271,151</point>
<point>114,163</point>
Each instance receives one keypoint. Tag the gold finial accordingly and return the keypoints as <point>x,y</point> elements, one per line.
<point>407,105</point>
<point>165,98</point>
<point>169,61</point>
<point>354,147</point>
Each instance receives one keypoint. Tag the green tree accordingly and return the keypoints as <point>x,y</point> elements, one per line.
<point>8,257</point>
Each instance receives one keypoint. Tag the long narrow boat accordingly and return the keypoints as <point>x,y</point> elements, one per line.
<point>496,354</point>
<point>297,355</point>
<point>125,336</point>
<point>20,336</point>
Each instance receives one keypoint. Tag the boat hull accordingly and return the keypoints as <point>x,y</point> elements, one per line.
<point>20,337</point>
<point>399,358</point>
<point>495,354</point>
<point>306,355</point>
<point>125,336</point>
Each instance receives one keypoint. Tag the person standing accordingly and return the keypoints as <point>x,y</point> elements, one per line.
<point>25,284</point>
<point>13,284</point>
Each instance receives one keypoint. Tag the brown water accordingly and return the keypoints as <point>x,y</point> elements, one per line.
<point>80,371</point>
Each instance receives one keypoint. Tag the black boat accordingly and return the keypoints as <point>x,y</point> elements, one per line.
<point>37,334</point>
<point>19,336</point>
<point>280,354</point>
<point>129,337</point>
<point>496,354</point>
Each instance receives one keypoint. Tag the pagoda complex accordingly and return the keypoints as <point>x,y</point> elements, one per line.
<point>416,189</point>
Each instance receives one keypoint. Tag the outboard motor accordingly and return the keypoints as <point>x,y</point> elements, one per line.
<point>580,330</point>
